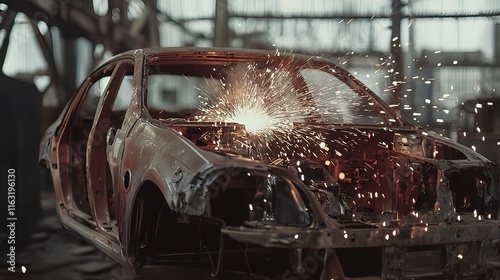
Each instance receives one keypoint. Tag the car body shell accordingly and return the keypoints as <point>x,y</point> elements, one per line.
<point>115,186</point>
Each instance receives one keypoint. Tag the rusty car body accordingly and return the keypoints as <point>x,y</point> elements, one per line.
<point>273,164</point>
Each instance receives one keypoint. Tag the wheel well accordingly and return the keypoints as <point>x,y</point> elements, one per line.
<point>156,231</point>
<point>147,210</point>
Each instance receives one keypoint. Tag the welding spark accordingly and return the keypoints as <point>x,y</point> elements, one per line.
<point>255,119</point>
<point>272,110</point>
<point>263,100</point>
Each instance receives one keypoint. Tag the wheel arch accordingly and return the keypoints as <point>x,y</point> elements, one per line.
<point>147,207</point>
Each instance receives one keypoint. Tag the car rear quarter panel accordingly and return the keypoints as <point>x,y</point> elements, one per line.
<point>157,154</point>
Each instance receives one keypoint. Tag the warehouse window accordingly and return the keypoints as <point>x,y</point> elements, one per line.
<point>24,55</point>
<point>100,7</point>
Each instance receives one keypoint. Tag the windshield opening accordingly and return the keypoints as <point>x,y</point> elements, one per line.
<point>265,96</point>
<point>338,103</point>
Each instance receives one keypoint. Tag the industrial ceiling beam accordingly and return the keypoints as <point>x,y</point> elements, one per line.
<point>78,19</point>
<point>45,43</point>
<point>340,16</point>
<point>6,24</point>
<point>221,38</point>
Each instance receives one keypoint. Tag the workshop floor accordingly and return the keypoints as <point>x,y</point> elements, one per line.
<point>54,253</point>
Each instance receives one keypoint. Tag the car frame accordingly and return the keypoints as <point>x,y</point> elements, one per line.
<point>142,191</point>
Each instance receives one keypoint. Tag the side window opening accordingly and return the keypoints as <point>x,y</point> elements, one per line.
<point>81,126</point>
<point>122,101</point>
<point>78,138</point>
<point>110,118</point>
<point>89,105</point>
<point>171,95</point>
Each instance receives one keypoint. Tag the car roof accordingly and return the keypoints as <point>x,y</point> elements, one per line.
<point>212,52</point>
<point>200,50</point>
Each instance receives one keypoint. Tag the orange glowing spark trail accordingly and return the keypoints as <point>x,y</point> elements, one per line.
<point>267,104</point>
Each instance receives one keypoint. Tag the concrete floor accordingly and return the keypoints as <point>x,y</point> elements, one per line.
<point>54,253</point>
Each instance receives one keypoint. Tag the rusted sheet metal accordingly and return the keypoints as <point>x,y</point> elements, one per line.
<point>281,158</point>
